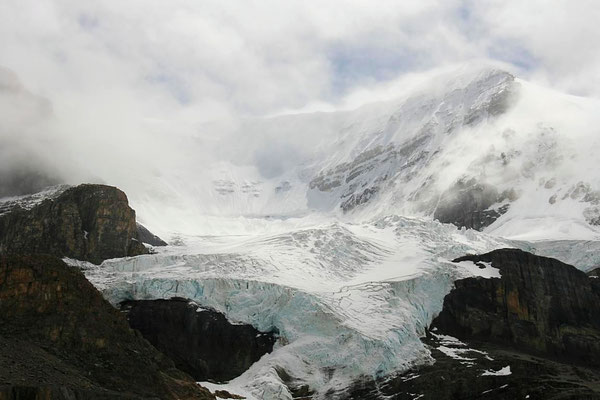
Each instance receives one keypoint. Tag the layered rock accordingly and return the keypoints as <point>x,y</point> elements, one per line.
<point>539,304</point>
<point>470,204</point>
<point>201,341</point>
<point>86,222</point>
<point>61,340</point>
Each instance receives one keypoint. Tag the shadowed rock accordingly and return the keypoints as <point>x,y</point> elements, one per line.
<point>201,341</point>
<point>145,236</point>
<point>539,304</point>
<point>60,339</point>
<point>468,204</point>
<point>594,273</point>
<point>471,376</point>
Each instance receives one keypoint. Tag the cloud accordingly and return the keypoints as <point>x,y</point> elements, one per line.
<point>556,42</point>
<point>139,87</point>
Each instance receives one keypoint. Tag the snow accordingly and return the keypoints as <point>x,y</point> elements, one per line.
<point>457,350</point>
<point>29,201</point>
<point>501,372</point>
<point>231,388</point>
<point>583,254</point>
<point>474,269</point>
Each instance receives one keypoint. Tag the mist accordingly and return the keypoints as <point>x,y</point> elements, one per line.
<point>164,102</point>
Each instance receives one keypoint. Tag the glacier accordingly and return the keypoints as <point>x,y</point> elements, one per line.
<point>336,248</point>
<point>350,300</point>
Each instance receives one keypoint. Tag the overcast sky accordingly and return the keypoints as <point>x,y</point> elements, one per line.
<point>124,81</point>
<point>204,59</point>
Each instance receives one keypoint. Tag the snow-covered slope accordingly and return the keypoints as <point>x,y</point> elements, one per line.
<point>349,300</point>
<point>533,151</point>
<point>27,202</point>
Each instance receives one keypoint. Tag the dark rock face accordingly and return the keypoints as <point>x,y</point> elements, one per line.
<point>594,273</point>
<point>539,304</point>
<point>61,340</point>
<point>467,204</point>
<point>200,341</point>
<point>86,222</point>
<point>472,377</point>
<point>145,236</point>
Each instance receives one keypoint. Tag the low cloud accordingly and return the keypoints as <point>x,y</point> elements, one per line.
<point>123,91</point>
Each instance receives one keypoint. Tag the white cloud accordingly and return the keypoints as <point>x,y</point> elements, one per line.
<point>558,41</point>
<point>130,81</point>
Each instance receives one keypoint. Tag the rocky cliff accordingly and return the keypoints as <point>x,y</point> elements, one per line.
<point>477,370</point>
<point>201,341</point>
<point>539,304</point>
<point>86,222</point>
<point>61,340</point>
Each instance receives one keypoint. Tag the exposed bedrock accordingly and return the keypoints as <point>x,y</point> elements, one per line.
<point>59,339</point>
<point>201,341</point>
<point>86,222</point>
<point>468,203</point>
<point>477,370</point>
<point>145,236</point>
<point>539,304</point>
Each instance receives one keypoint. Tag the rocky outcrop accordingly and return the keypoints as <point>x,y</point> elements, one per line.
<point>86,222</point>
<point>539,305</point>
<point>145,236</point>
<point>61,340</point>
<point>201,341</point>
<point>481,371</point>
<point>469,204</point>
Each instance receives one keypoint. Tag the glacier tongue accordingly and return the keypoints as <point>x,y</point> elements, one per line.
<point>349,300</point>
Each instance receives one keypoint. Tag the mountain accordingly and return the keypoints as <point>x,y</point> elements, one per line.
<point>475,147</point>
<point>337,247</point>
<point>338,229</point>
